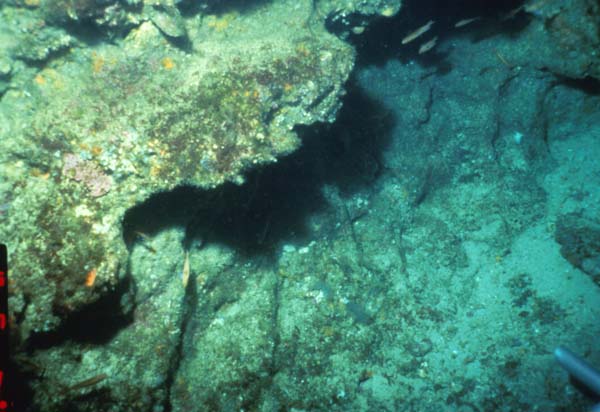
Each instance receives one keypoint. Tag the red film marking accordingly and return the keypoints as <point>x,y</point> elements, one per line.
<point>2,321</point>
<point>2,279</point>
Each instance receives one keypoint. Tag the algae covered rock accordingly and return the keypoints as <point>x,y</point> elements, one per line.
<point>102,13</point>
<point>579,240</point>
<point>40,45</point>
<point>107,126</point>
<point>345,17</point>
<point>90,130</point>
<point>168,19</point>
<point>561,37</point>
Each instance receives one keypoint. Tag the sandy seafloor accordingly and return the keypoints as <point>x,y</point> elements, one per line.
<point>514,304</point>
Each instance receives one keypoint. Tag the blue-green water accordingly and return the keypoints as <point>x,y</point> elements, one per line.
<point>300,205</point>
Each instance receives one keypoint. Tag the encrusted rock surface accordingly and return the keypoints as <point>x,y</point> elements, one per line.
<point>100,129</point>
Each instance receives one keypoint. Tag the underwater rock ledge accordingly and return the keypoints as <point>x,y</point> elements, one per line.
<point>97,129</point>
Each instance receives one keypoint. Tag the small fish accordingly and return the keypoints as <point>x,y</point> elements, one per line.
<point>535,7</point>
<point>464,22</point>
<point>146,240</point>
<point>423,29</point>
<point>88,382</point>
<point>503,59</point>
<point>512,13</point>
<point>185,273</point>
<point>425,47</point>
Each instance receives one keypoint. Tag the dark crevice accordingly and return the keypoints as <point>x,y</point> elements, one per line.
<point>273,203</point>
<point>428,106</point>
<point>588,85</point>
<point>190,303</point>
<point>94,324</point>
<point>192,7</point>
<point>382,40</point>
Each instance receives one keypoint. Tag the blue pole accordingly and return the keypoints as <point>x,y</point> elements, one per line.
<point>580,370</point>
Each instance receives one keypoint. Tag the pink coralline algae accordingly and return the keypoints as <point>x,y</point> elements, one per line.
<point>88,173</point>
